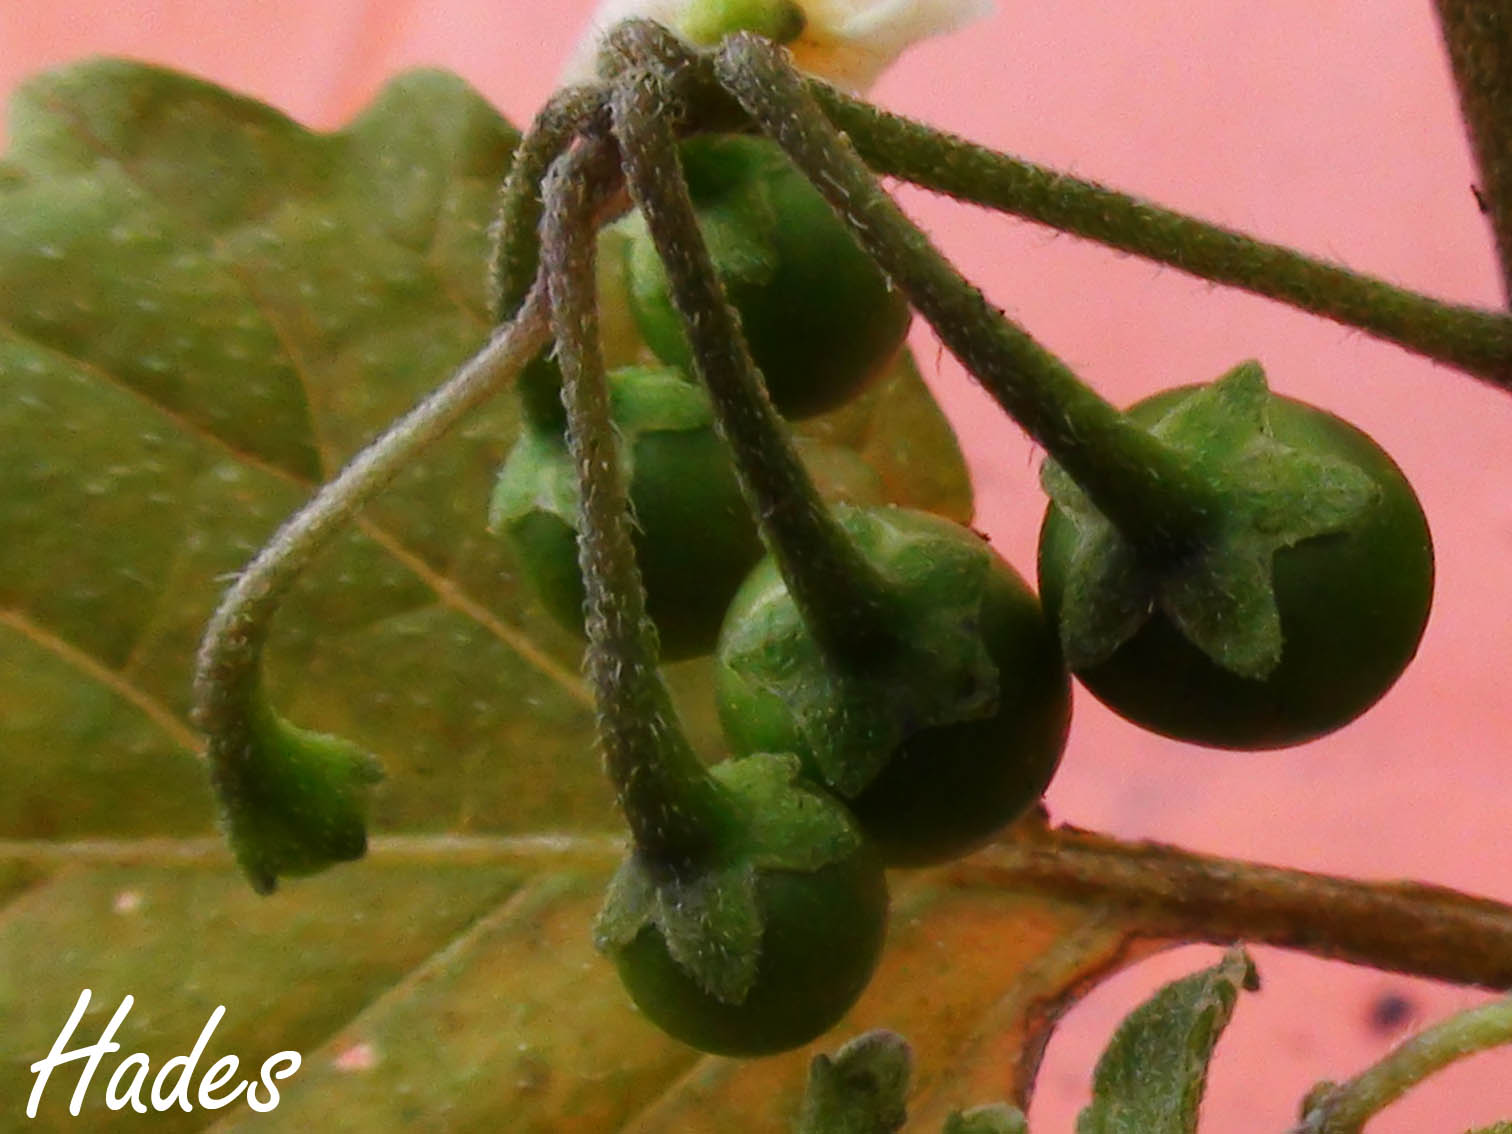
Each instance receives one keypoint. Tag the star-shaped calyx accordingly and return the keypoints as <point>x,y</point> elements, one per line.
<point>1218,588</point>
<point>853,719</point>
<point>709,911</point>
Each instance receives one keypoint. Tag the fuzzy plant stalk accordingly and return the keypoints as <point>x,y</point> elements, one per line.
<point>515,252</point>
<point>291,800</point>
<point>1142,484</point>
<point>750,912</point>
<point>832,581</point>
<point>1345,1108</point>
<point>668,800</point>
<point>1478,36</point>
<point>1161,558</point>
<point>1471,339</point>
<point>1150,492</point>
<point>906,664</point>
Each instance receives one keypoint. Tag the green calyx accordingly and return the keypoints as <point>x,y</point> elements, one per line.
<point>706,22</point>
<point>762,938</point>
<point>851,718</point>
<point>709,912</point>
<point>292,801</point>
<point>1218,591</point>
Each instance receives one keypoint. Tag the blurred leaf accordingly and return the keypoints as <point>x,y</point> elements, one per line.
<point>1151,1077</point>
<point>204,311</point>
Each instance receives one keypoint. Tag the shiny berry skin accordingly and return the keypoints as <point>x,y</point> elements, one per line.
<point>819,316</point>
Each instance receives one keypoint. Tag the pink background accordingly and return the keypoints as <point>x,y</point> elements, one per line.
<point>1328,126</point>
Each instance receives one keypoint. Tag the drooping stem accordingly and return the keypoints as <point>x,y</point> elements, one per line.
<point>1478,35</point>
<point>515,253</point>
<point>1173,894</point>
<point>1146,489</point>
<point>227,667</point>
<point>1476,341</point>
<point>844,601</point>
<point>1346,1107</point>
<point>672,806</point>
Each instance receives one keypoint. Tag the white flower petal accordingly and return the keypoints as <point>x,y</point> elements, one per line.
<point>582,64</point>
<point>848,42</point>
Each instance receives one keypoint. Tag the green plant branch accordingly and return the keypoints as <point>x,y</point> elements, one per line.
<point>1476,341</point>
<point>1478,36</point>
<point>667,798</point>
<point>1345,1108</point>
<point>227,666</point>
<point>1150,492</point>
<point>1173,894</point>
<point>843,598</point>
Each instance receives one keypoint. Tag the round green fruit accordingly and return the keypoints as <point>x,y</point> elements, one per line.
<point>947,788</point>
<point>824,933</point>
<point>695,538</point>
<point>762,937</point>
<point>1353,605</point>
<point>821,319</point>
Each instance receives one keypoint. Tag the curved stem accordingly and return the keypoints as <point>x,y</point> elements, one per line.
<point>670,802</point>
<point>1345,1108</point>
<point>1168,893</point>
<point>687,75</point>
<point>843,600</point>
<point>1476,341</point>
<point>515,252</point>
<point>226,669</point>
<point>1478,35</point>
<point>1149,491</point>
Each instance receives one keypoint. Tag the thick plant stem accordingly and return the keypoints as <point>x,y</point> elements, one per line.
<point>1173,894</point>
<point>670,802</point>
<point>1478,35</point>
<point>1473,340</point>
<point>1149,491</point>
<point>1346,1107</point>
<point>227,668</point>
<point>844,601</point>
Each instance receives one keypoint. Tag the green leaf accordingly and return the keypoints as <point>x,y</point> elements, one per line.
<point>1152,1074</point>
<point>204,310</point>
